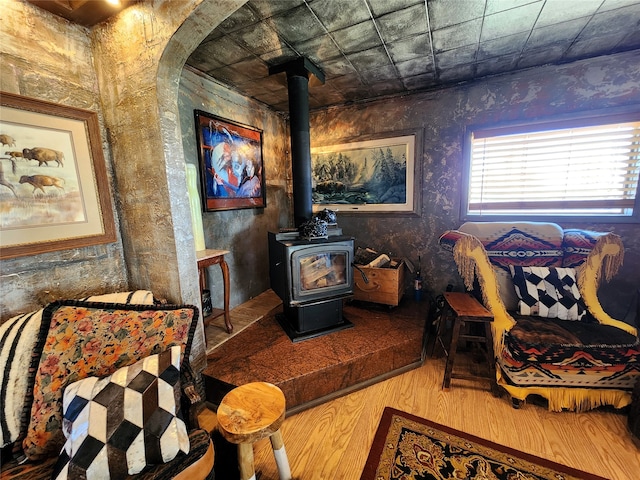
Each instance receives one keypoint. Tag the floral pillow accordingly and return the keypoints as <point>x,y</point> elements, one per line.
<point>21,339</point>
<point>95,339</point>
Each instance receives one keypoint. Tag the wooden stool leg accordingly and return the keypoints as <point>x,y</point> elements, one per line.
<point>245,456</point>
<point>452,354</point>
<point>440,332</point>
<point>279,452</point>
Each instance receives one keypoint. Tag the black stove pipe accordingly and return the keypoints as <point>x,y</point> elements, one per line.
<point>298,86</point>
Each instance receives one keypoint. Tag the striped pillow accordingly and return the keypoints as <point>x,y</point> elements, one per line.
<point>18,337</point>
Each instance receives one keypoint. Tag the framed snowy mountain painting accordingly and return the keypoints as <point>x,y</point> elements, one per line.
<point>368,175</point>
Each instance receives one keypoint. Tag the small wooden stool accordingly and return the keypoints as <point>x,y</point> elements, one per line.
<point>463,308</point>
<point>250,413</point>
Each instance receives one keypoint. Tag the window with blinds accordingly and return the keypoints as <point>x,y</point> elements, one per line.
<point>555,170</point>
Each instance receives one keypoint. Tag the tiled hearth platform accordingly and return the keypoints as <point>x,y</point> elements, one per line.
<point>384,341</point>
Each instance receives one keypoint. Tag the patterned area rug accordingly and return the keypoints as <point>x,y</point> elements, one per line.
<point>406,446</point>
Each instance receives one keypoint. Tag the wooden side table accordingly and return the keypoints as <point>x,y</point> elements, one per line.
<point>206,258</point>
<point>463,307</point>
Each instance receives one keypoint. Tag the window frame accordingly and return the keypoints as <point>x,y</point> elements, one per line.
<point>574,120</point>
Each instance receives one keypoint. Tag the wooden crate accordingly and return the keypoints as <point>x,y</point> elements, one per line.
<point>386,285</point>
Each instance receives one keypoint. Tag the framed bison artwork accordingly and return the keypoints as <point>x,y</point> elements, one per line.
<point>373,174</point>
<point>231,167</point>
<point>54,193</point>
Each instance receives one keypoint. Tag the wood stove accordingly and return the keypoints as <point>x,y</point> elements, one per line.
<point>312,277</point>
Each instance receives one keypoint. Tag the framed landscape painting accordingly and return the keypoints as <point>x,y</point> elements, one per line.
<point>368,174</point>
<point>231,166</point>
<point>54,193</point>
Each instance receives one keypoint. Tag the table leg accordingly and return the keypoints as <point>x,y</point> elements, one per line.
<point>225,278</point>
<point>203,279</point>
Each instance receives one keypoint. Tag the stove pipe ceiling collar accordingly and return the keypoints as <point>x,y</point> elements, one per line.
<point>298,71</point>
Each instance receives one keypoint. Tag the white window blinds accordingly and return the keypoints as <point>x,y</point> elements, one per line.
<point>589,170</point>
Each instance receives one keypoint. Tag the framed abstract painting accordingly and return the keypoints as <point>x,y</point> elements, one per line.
<point>231,165</point>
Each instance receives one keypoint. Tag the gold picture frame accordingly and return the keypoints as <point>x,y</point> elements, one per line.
<point>54,192</point>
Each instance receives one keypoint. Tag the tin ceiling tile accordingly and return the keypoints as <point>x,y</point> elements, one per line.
<point>361,43</point>
<point>259,39</point>
<point>556,11</point>
<point>319,49</point>
<point>382,7</point>
<point>548,54</point>
<point>205,58</point>
<point>380,74</point>
<point>226,51</point>
<point>269,8</point>
<point>622,20</point>
<point>339,66</point>
<point>457,73</point>
<point>453,12</point>
<point>614,4</point>
<point>411,47</point>
<point>496,6</point>
<point>336,15</point>
<point>230,75</point>
<point>241,18</point>
<point>403,23</point>
<point>357,38</point>
<point>386,87</point>
<point>509,22</point>
<point>602,44</point>
<point>252,68</point>
<point>457,56</point>
<point>368,59</point>
<point>417,66</point>
<point>298,25</point>
<point>499,64</point>
<point>457,36</point>
<point>502,46</point>
<point>420,81</point>
<point>551,34</point>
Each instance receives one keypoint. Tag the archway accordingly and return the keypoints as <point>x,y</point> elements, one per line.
<point>139,58</point>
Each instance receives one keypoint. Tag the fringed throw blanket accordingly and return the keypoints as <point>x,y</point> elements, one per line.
<point>551,352</point>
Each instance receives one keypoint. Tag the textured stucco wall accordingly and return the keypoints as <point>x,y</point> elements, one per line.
<point>128,69</point>
<point>443,115</point>
<point>47,58</point>
<point>242,232</point>
<point>139,59</point>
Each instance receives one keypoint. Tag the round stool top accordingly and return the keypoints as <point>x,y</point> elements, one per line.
<point>251,412</point>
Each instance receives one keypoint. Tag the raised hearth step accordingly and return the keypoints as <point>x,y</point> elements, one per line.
<point>383,342</point>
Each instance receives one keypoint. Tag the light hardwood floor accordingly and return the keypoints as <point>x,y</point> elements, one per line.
<point>332,440</point>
